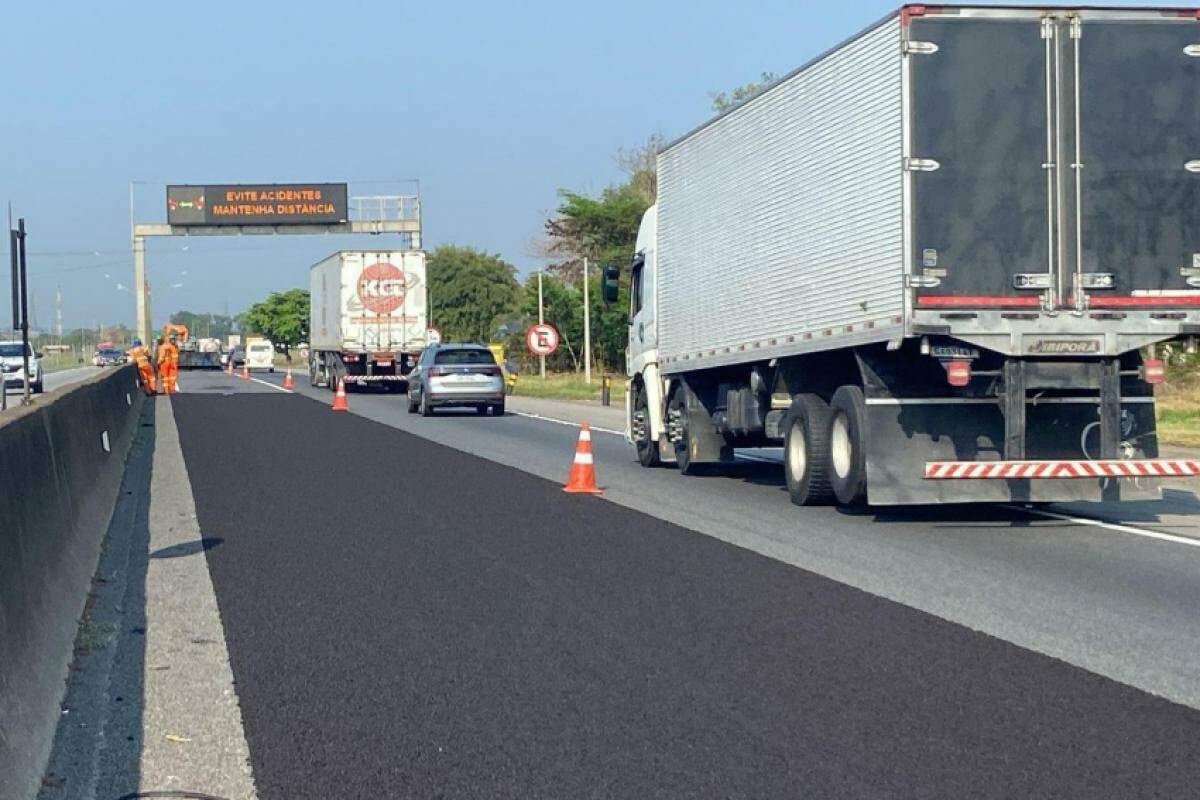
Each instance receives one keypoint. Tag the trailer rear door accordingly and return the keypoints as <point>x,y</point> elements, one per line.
<point>1139,112</point>
<point>979,141</point>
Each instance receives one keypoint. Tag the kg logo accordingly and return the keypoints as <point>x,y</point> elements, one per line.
<point>382,287</point>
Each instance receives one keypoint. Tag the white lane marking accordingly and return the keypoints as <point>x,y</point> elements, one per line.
<point>1165,537</point>
<point>272,385</point>
<point>567,422</point>
<point>1112,526</point>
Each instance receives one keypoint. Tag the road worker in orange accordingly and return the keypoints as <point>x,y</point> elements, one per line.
<point>168,364</point>
<point>141,356</point>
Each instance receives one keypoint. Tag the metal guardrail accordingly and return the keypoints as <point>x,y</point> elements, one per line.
<point>389,208</point>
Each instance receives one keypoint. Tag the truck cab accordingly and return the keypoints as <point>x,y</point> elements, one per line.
<point>644,398</point>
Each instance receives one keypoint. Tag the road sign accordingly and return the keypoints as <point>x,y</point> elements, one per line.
<point>433,336</point>
<point>542,339</point>
<point>257,204</point>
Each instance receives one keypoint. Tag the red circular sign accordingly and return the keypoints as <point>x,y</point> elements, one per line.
<point>542,339</point>
<point>382,287</point>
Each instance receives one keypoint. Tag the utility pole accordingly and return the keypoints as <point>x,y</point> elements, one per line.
<point>541,320</point>
<point>20,293</point>
<point>587,327</point>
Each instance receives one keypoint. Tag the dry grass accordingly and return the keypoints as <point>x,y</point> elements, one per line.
<point>1178,408</point>
<point>567,386</point>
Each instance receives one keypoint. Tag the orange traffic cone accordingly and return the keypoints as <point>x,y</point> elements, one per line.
<point>339,399</point>
<point>288,382</point>
<point>245,372</point>
<point>229,367</point>
<point>582,477</point>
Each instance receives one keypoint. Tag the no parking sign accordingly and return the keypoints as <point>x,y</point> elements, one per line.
<point>542,339</point>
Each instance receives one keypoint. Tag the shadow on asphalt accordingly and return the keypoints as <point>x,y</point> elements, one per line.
<point>188,548</point>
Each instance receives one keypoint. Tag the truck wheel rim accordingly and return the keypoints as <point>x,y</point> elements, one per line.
<point>840,447</point>
<point>797,453</point>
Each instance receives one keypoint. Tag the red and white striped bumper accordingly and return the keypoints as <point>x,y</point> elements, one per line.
<point>1144,468</point>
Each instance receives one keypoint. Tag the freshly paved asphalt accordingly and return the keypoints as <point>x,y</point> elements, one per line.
<point>406,619</point>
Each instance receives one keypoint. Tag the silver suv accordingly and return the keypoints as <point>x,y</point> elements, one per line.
<point>10,365</point>
<point>456,375</point>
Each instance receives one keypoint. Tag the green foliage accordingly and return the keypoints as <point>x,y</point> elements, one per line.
<point>722,102</point>
<point>204,325</point>
<point>282,318</point>
<point>469,293</point>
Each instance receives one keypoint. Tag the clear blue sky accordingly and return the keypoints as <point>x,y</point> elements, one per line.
<point>492,106</point>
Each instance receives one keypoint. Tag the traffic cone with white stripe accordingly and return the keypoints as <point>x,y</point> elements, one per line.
<point>582,477</point>
<point>289,382</point>
<point>339,398</point>
<point>245,372</point>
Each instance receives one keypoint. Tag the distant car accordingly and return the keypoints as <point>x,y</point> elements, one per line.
<point>236,355</point>
<point>108,357</point>
<point>10,365</point>
<point>260,355</point>
<point>456,375</point>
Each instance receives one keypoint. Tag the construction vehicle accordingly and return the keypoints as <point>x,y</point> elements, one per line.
<point>193,353</point>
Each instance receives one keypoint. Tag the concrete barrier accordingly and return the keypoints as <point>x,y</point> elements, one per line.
<point>61,463</point>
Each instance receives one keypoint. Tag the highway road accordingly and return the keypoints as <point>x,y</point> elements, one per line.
<point>413,607</point>
<point>56,380</point>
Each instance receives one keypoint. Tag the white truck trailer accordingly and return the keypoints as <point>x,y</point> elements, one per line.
<point>367,317</point>
<point>927,262</point>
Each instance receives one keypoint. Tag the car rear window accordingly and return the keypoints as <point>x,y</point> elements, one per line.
<point>464,356</point>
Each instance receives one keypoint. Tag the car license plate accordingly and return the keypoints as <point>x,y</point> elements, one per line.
<point>383,363</point>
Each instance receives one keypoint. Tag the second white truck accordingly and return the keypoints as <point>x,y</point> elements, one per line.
<point>367,317</point>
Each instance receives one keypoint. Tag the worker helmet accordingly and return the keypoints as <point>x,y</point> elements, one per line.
<point>137,342</point>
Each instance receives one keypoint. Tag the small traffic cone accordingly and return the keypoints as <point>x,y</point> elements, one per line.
<point>339,398</point>
<point>582,477</point>
<point>288,382</point>
<point>229,367</point>
<point>245,372</point>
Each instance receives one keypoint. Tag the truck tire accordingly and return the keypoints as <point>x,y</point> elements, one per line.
<point>847,446</point>
<point>683,447</point>
<point>647,448</point>
<point>806,451</point>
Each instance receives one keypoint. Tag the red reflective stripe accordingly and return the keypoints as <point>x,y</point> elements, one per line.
<point>990,300</point>
<point>1117,301</point>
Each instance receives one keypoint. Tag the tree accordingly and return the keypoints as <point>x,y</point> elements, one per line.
<point>282,318</point>
<point>722,102</point>
<point>204,325</point>
<point>469,292</point>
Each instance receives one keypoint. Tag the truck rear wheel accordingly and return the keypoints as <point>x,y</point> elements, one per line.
<point>847,446</point>
<point>806,451</point>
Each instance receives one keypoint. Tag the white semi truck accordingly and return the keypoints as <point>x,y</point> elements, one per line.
<point>927,263</point>
<point>367,317</point>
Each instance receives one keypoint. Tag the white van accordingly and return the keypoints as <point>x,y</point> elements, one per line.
<point>260,354</point>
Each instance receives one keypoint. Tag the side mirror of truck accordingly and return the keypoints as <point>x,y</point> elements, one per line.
<point>610,284</point>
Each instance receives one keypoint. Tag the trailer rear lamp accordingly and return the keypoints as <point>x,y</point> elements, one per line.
<point>1152,371</point>
<point>958,373</point>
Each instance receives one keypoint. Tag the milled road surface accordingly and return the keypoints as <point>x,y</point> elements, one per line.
<point>406,619</point>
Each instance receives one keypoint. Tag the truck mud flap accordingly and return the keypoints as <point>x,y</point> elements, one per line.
<point>904,435</point>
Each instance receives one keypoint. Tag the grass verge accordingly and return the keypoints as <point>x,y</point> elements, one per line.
<point>1177,407</point>
<point>567,386</point>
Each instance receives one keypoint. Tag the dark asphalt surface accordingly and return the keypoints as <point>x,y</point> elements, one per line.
<point>408,620</point>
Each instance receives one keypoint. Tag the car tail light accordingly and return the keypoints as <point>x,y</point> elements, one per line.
<point>1152,371</point>
<point>958,373</point>
<point>492,371</point>
<point>437,372</point>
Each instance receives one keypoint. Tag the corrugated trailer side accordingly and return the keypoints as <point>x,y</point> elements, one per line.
<point>325,297</point>
<point>781,223</point>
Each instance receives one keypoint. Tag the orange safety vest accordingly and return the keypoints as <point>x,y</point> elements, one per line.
<point>140,355</point>
<point>167,352</point>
